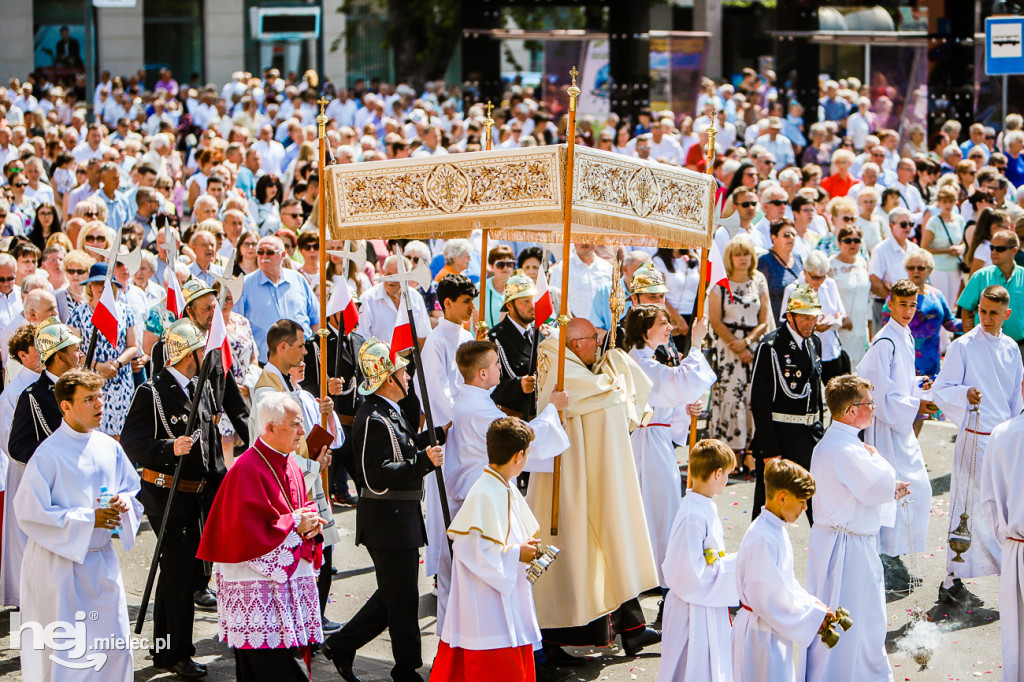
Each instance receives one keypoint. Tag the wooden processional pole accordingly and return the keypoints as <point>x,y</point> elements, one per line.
<point>321,122</point>
<point>563,313</point>
<point>481,325</point>
<point>702,286</point>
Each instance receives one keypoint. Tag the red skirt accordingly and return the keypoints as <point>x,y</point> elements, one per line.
<point>512,664</point>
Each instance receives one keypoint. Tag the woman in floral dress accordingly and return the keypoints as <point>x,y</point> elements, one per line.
<point>739,321</point>
<point>112,363</point>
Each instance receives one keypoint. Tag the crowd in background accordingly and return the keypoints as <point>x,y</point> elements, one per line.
<point>838,200</point>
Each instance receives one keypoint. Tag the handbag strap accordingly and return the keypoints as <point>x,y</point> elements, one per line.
<point>948,237</point>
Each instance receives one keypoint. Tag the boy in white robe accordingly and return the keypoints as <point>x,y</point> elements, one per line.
<point>1001,473</point>
<point>777,614</point>
<point>898,394</point>
<point>455,294</point>
<point>700,576</point>
<point>978,388</point>
<point>491,626</point>
<point>70,566</point>
<point>675,397</point>
<point>466,445</point>
<point>857,490</point>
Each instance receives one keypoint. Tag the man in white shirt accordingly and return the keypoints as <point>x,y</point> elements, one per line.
<point>36,189</point>
<point>93,147</point>
<point>886,264</point>
<point>271,151</point>
<point>858,125</point>
<point>910,197</point>
<point>8,151</point>
<point>587,272</point>
<point>778,144</point>
<point>664,147</point>
<point>378,307</point>
<point>342,109</point>
<point>774,203</point>
<point>10,293</point>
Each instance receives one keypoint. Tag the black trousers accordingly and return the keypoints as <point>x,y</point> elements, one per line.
<point>259,665</point>
<point>323,581</point>
<point>600,632</point>
<point>181,574</point>
<point>393,607</point>
<point>759,492</point>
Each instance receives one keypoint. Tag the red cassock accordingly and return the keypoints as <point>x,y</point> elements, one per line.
<point>250,515</point>
<point>512,664</point>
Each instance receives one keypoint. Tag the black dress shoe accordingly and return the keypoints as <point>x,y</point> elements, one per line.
<point>958,595</point>
<point>559,657</point>
<point>634,642</point>
<point>546,672</point>
<point>189,669</point>
<point>342,661</point>
<point>206,598</point>
<point>329,626</point>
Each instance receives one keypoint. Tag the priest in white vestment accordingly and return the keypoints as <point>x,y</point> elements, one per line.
<point>1001,473</point>
<point>466,447</point>
<point>675,396</point>
<point>606,558</point>
<point>455,294</point>
<point>978,388</point>
<point>70,566</point>
<point>899,397</point>
<point>856,493</point>
<point>491,628</point>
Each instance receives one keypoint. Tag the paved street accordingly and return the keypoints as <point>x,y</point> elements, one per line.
<point>966,646</point>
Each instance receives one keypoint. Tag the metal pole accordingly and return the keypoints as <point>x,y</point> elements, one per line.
<point>563,315</point>
<point>1005,112</point>
<point>481,325</point>
<point>321,122</point>
<point>702,286</point>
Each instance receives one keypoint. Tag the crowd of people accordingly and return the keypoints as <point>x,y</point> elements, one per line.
<point>872,283</point>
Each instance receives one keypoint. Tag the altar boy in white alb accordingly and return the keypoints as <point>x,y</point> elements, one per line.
<point>491,627</point>
<point>1001,501</point>
<point>456,294</point>
<point>777,614</point>
<point>466,447</point>
<point>700,576</point>
<point>978,388</point>
<point>899,398</point>
<point>856,493</point>
<point>70,567</point>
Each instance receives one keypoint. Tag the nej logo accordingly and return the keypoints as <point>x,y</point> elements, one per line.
<point>62,636</point>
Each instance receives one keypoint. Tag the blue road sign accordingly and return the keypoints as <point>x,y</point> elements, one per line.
<point>1004,40</point>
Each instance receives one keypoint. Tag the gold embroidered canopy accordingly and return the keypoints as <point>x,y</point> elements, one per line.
<point>519,194</point>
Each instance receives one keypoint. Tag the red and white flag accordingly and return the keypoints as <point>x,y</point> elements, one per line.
<point>542,306</point>
<point>341,302</point>
<point>716,269</point>
<point>104,318</point>
<point>401,335</point>
<point>175,299</point>
<point>218,338</point>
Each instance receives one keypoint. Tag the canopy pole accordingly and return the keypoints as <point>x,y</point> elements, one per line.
<point>563,314</point>
<point>481,325</point>
<point>702,286</point>
<point>321,122</point>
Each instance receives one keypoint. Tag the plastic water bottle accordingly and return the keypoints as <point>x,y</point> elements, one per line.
<point>105,498</point>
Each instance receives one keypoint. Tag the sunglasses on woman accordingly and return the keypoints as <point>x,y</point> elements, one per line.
<point>851,240</point>
<point>747,204</point>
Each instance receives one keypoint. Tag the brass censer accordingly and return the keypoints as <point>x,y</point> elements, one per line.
<point>960,537</point>
<point>829,634</point>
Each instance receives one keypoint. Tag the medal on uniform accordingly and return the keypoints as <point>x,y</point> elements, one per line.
<point>798,374</point>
